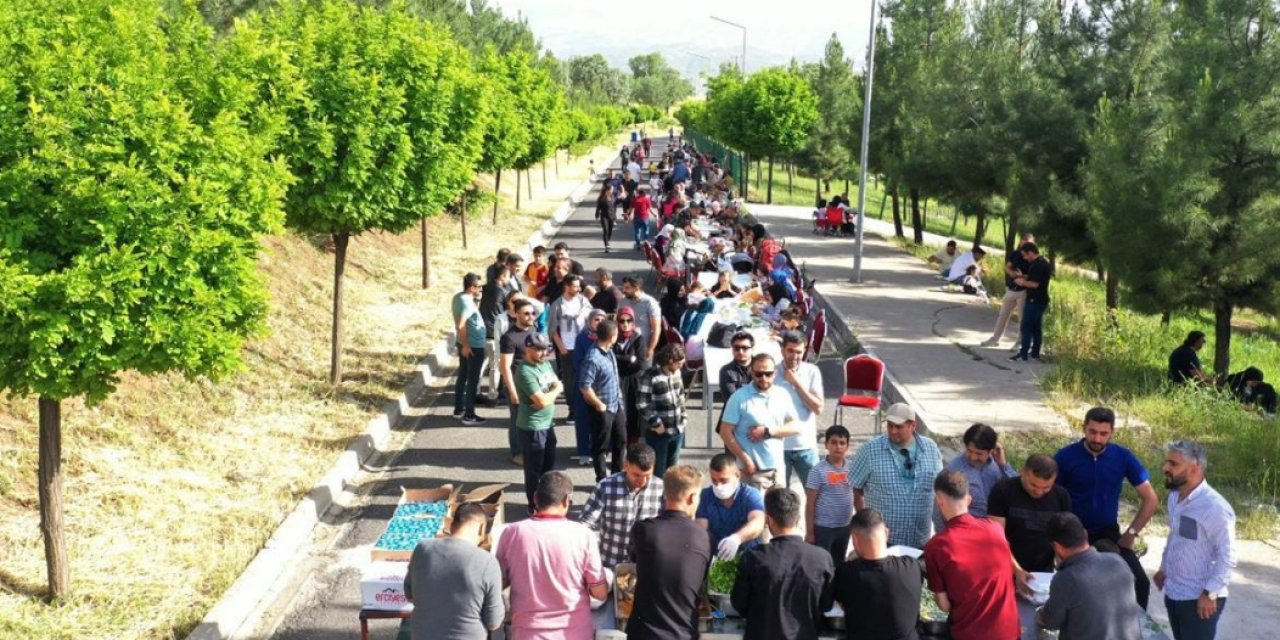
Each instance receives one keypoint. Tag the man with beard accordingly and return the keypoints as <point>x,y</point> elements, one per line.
<point>1200,554</point>
<point>1093,471</point>
<point>511,350</point>
<point>648,315</point>
<point>756,419</point>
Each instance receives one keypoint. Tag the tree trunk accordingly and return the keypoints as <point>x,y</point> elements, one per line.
<point>462,211</point>
<point>528,183</point>
<point>746,175</point>
<point>1222,312</point>
<point>955,218</point>
<point>49,479</point>
<point>769,198</point>
<point>518,179</point>
<point>340,241</point>
<point>846,186</point>
<point>1113,290</point>
<point>897,214</point>
<point>883,199</point>
<point>1011,233</point>
<point>544,174</point>
<point>426,252</point>
<point>917,221</point>
<point>557,164</point>
<point>759,173</point>
<point>791,180</point>
<point>982,227</point>
<point>497,194</point>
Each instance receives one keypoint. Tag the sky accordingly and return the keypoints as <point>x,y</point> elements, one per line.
<point>691,41</point>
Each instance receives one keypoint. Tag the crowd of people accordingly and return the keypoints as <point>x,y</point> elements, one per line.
<point>986,531</point>
<point>982,528</point>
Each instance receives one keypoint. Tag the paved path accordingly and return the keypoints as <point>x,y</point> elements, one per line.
<point>928,337</point>
<point>323,602</point>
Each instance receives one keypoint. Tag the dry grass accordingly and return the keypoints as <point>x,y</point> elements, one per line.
<point>173,485</point>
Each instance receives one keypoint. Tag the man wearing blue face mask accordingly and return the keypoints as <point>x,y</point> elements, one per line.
<point>731,512</point>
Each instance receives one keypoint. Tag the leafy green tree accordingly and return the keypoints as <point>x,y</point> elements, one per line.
<point>1210,153</point>
<point>777,109</point>
<point>137,174</point>
<point>593,81</point>
<point>826,153</point>
<point>474,23</point>
<point>389,128</point>
<point>655,82</point>
<point>506,136</point>
<point>541,103</point>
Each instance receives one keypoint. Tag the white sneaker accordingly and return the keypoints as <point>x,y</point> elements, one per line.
<point>989,343</point>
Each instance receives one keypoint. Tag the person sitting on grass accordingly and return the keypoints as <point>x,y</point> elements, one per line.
<point>1249,388</point>
<point>1184,364</point>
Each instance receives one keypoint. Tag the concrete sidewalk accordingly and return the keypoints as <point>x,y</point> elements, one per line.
<point>926,335</point>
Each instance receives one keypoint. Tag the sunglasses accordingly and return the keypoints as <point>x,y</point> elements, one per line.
<point>626,322</point>
<point>763,374</point>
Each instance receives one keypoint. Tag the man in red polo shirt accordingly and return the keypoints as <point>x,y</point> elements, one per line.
<point>969,567</point>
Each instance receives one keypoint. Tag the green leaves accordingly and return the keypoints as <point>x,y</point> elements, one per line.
<point>134,181</point>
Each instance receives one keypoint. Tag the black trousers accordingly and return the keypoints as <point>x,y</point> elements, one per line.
<point>1141,583</point>
<point>606,227</point>
<point>608,434</point>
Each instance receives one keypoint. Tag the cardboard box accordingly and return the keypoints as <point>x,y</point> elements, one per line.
<point>382,587</point>
<point>446,493</point>
<point>492,498</point>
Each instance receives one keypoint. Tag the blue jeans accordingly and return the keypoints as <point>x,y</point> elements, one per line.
<point>467,381</point>
<point>1032,328</point>
<point>802,461</point>
<point>641,230</point>
<point>1186,623</point>
<point>666,450</point>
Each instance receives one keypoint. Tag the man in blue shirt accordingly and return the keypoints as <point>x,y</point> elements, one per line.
<point>731,512</point>
<point>602,394</point>
<point>755,419</point>
<point>1093,471</point>
<point>983,465</point>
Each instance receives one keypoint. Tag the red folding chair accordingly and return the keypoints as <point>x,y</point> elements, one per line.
<point>863,385</point>
<point>670,334</point>
<point>659,269</point>
<point>817,336</point>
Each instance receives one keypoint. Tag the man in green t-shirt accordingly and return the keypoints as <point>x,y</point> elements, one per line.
<point>537,386</point>
<point>469,324</point>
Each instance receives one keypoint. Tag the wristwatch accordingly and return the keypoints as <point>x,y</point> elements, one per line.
<point>1208,594</point>
<point>767,434</point>
<point>1132,532</point>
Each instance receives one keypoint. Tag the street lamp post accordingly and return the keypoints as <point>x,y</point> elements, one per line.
<point>868,75</point>
<point>744,41</point>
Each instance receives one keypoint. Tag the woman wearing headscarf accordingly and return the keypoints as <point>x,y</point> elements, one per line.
<point>776,300</point>
<point>676,248</point>
<point>674,302</point>
<point>628,349</point>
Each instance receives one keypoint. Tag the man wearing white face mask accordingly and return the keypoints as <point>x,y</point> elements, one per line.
<point>731,512</point>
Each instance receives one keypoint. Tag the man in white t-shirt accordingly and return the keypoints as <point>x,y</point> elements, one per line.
<point>945,257</point>
<point>803,382</point>
<point>633,170</point>
<point>956,274</point>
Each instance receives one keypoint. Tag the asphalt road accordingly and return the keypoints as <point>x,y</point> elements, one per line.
<point>322,601</point>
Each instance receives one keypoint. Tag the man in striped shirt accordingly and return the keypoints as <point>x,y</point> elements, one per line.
<point>1197,561</point>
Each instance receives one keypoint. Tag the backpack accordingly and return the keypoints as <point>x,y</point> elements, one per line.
<point>722,334</point>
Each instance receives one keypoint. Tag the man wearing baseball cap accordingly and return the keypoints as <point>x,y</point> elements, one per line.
<point>893,474</point>
<point>537,386</point>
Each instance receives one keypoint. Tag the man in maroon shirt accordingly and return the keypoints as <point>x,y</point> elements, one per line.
<point>969,567</point>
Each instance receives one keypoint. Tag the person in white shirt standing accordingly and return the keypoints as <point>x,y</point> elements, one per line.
<point>803,382</point>
<point>1200,554</point>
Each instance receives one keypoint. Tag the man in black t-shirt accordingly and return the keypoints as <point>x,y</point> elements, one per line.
<point>1015,297</point>
<point>1023,506</point>
<point>511,353</point>
<point>1036,282</point>
<point>880,594</point>
<point>607,295</point>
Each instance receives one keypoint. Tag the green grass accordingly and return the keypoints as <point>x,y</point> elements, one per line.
<point>1120,361</point>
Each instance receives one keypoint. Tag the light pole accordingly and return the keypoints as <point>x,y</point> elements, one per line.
<point>868,74</point>
<point>744,40</point>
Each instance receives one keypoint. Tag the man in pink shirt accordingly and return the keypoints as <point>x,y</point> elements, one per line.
<point>552,565</point>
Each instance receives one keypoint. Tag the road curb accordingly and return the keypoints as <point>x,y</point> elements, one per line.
<point>894,390</point>
<point>259,580</point>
